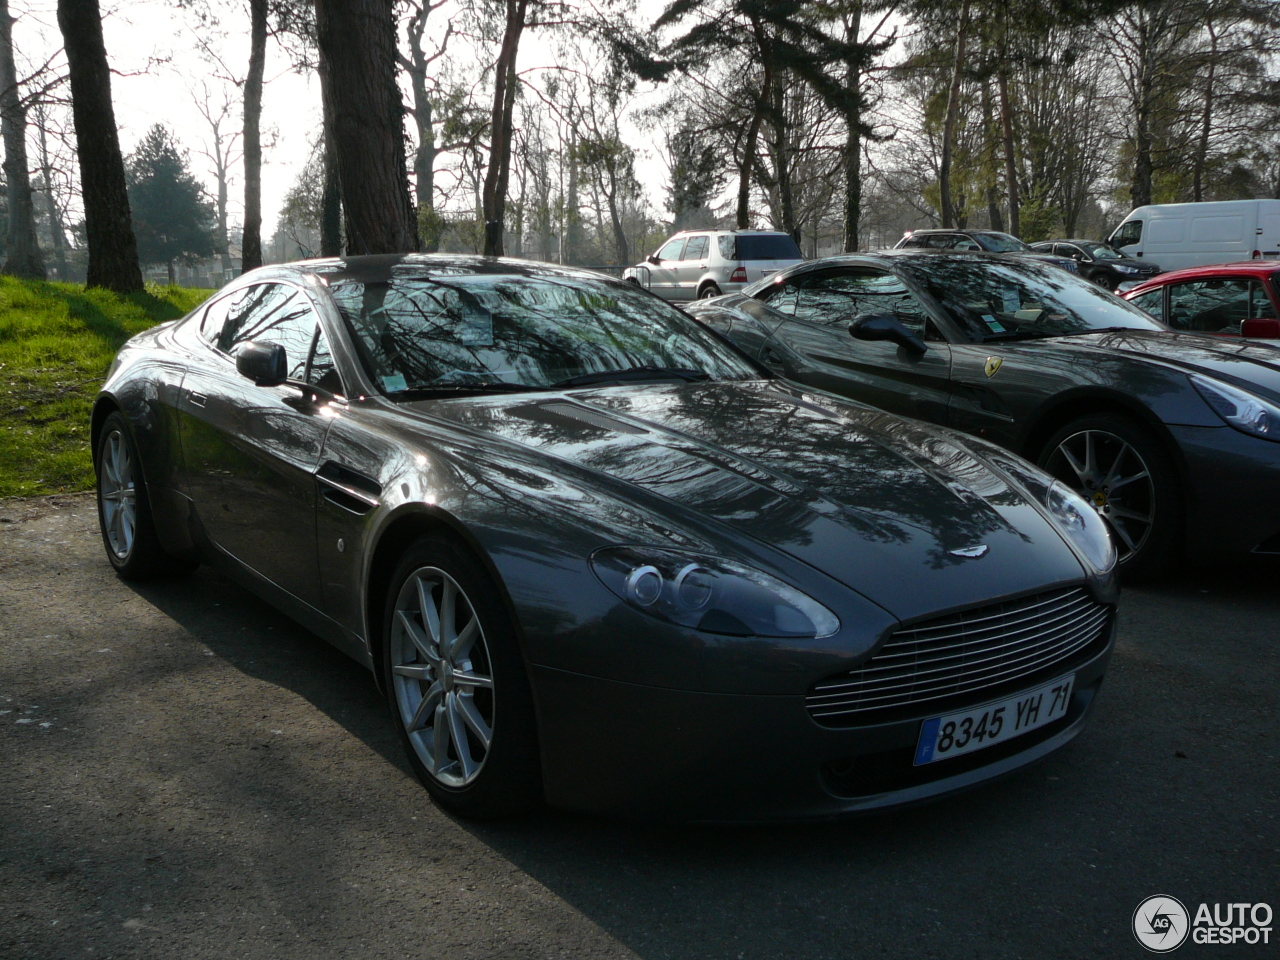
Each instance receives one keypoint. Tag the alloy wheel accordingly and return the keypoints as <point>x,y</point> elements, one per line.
<point>443,676</point>
<point>1110,473</point>
<point>118,495</point>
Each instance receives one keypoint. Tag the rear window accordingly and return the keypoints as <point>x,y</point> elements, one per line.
<point>768,247</point>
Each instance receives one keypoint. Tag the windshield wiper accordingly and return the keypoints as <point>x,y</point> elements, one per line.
<point>990,338</point>
<point>632,373</point>
<point>461,389</point>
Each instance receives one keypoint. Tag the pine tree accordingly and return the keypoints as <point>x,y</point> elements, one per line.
<point>171,217</point>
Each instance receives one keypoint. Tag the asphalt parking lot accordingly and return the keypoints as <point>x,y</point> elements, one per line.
<point>184,773</point>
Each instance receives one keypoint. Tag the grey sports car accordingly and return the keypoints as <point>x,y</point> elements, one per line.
<point>1172,437</point>
<point>594,554</point>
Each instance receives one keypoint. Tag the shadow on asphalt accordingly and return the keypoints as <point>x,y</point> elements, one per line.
<point>690,892</point>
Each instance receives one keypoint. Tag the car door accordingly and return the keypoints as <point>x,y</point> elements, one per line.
<point>251,452</point>
<point>812,345</point>
<point>662,275</point>
<point>691,267</point>
<point>1128,238</point>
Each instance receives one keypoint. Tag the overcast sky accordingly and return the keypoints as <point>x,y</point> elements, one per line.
<point>153,49</point>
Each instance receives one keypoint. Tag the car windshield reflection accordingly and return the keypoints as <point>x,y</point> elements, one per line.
<point>481,333</point>
<point>1022,301</point>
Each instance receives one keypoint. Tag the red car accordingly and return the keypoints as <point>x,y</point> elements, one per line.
<point>1228,299</point>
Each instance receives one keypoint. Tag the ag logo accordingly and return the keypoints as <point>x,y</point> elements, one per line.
<point>1161,924</point>
<point>993,364</point>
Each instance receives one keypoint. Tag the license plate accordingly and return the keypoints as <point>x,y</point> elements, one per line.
<point>992,723</point>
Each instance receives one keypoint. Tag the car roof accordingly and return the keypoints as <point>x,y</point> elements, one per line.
<point>968,231</point>
<point>380,268</point>
<point>735,233</point>
<point>1247,268</point>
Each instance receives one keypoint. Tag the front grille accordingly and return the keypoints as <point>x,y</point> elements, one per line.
<point>957,654</point>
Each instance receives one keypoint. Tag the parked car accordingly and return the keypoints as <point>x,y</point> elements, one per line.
<point>990,241</point>
<point>1231,299</point>
<point>1180,235</point>
<point>1101,263</point>
<point>592,552</point>
<point>1173,437</point>
<point>695,264</point>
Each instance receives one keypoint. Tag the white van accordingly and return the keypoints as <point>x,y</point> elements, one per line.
<point>1177,235</point>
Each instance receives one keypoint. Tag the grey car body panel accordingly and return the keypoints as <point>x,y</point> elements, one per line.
<point>857,508</point>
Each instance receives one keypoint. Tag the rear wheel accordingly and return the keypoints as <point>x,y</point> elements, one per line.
<point>707,291</point>
<point>124,512</point>
<point>457,684</point>
<point>1122,469</point>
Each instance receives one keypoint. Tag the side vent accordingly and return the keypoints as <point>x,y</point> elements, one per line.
<point>347,489</point>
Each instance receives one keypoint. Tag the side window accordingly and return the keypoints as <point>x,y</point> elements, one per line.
<point>273,313</point>
<point>728,249</point>
<point>671,249</point>
<point>941,241</point>
<point>322,372</point>
<point>781,297</point>
<point>1259,303</point>
<point>917,242</point>
<point>1209,306</point>
<point>964,243</point>
<point>696,248</point>
<point>840,298</point>
<point>1152,303</point>
<point>1128,233</point>
<point>215,315</point>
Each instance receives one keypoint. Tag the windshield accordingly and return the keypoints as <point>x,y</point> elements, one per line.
<point>1022,300</point>
<point>1000,242</point>
<point>776,246</point>
<point>479,332</point>
<point>1100,251</point>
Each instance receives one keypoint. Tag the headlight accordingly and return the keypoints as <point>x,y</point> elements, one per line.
<point>1125,268</point>
<point>1071,513</point>
<point>1244,411</point>
<point>710,594</point>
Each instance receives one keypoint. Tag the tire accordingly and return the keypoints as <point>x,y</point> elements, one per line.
<point>707,291</point>
<point>124,512</point>
<point>478,695</point>
<point>1105,281</point>
<point>633,280</point>
<point>1146,519</point>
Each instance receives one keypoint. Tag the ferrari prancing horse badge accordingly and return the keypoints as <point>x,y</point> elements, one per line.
<point>993,364</point>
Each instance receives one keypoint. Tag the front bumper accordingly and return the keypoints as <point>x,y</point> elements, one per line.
<point>653,753</point>
<point>1231,480</point>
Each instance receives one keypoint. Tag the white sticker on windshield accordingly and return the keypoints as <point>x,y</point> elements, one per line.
<point>394,383</point>
<point>476,327</point>
<point>995,325</point>
<point>1012,302</point>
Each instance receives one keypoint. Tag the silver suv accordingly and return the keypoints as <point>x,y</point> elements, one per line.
<point>696,264</point>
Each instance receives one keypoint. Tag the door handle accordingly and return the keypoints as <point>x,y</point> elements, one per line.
<point>197,399</point>
<point>767,355</point>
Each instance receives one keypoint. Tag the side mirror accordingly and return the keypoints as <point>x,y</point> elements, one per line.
<point>264,363</point>
<point>884,326</point>
<point>653,258</point>
<point>1261,328</point>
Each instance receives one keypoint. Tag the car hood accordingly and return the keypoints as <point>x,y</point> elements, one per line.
<point>1252,365</point>
<point>876,502</point>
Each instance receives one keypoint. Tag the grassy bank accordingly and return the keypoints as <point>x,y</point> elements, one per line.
<point>56,342</point>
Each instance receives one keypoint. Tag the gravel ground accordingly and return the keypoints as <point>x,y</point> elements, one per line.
<point>185,773</point>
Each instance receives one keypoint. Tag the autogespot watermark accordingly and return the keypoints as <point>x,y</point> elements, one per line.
<point>1162,924</point>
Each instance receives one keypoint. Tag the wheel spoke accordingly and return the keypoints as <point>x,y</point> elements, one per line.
<point>1115,485</point>
<point>420,640</point>
<point>440,740</point>
<point>472,681</point>
<point>1116,464</point>
<point>430,700</point>
<point>430,618</point>
<point>456,730</point>
<point>461,645</point>
<point>448,605</point>
<point>1072,462</point>
<point>1122,533</point>
<point>1128,514</point>
<point>471,717</point>
<point>1090,455</point>
<point>413,671</point>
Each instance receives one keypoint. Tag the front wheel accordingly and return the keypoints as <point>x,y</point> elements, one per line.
<point>457,685</point>
<point>1122,469</point>
<point>1105,281</point>
<point>124,512</point>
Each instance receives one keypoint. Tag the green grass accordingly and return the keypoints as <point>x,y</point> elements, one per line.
<point>56,342</point>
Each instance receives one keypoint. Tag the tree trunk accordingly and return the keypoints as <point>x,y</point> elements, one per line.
<point>1206,123</point>
<point>172,279</point>
<point>251,239</point>
<point>786,195</point>
<point>23,249</point>
<point>994,215</point>
<point>357,40</point>
<point>953,112</point>
<point>494,197</point>
<point>424,159</point>
<point>1010,159</point>
<point>853,138</point>
<point>331,191</point>
<point>1140,189</point>
<point>55,215</point>
<point>572,228</point>
<point>113,250</point>
<point>744,177</point>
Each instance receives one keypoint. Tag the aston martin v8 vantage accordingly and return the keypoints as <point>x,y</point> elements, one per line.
<point>595,555</point>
